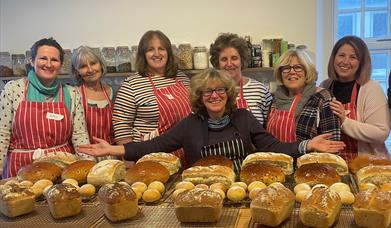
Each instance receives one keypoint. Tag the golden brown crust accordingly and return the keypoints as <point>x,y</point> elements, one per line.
<point>106,171</point>
<point>215,160</point>
<point>115,193</point>
<point>282,160</point>
<point>363,160</point>
<point>39,170</point>
<point>316,173</point>
<point>62,193</point>
<point>147,172</point>
<point>376,174</point>
<point>14,191</point>
<point>209,175</point>
<point>168,160</point>
<point>265,172</point>
<point>325,158</point>
<point>78,171</point>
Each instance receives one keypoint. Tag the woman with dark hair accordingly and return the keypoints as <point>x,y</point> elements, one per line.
<point>359,102</point>
<point>155,98</point>
<point>216,127</point>
<point>39,114</point>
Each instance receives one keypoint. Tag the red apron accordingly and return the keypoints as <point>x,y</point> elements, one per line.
<point>173,103</point>
<point>351,149</point>
<point>38,128</point>
<point>241,102</point>
<point>281,124</point>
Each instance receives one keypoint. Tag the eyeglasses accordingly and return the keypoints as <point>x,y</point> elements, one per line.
<point>218,90</point>
<point>297,68</point>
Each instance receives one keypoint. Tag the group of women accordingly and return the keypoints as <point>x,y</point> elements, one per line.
<point>218,112</point>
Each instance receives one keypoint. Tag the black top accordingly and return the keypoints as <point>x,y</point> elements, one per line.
<point>343,90</point>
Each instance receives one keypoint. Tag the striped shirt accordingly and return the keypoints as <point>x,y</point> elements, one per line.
<point>136,109</point>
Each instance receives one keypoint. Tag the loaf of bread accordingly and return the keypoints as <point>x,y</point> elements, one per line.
<point>320,207</point>
<point>364,160</point>
<point>39,170</point>
<point>215,160</point>
<point>372,208</point>
<point>64,200</point>
<point>106,172</point>
<point>119,201</point>
<point>316,173</point>
<point>265,172</point>
<point>209,175</point>
<point>78,171</point>
<point>198,205</point>
<point>285,162</point>
<point>325,158</point>
<point>272,205</point>
<point>16,199</point>
<point>376,174</point>
<point>168,160</point>
<point>147,172</point>
<point>61,159</point>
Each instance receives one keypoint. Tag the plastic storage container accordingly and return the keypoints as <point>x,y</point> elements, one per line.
<point>108,54</point>
<point>18,64</point>
<point>185,57</point>
<point>5,64</point>
<point>123,59</point>
<point>200,57</point>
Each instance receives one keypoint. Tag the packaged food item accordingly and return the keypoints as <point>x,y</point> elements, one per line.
<point>200,57</point>
<point>123,59</point>
<point>108,54</point>
<point>5,65</point>
<point>185,57</point>
<point>18,64</point>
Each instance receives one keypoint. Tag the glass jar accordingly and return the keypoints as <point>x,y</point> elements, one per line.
<point>66,64</point>
<point>133,57</point>
<point>27,61</point>
<point>18,64</point>
<point>185,57</point>
<point>123,59</point>
<point>200,58</point>
<point>5,64</point>
<point>108,54</point>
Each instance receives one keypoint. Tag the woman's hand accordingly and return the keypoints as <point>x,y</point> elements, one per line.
<point>338,109</point>
<point>102,148</point>
<point>321,143</point>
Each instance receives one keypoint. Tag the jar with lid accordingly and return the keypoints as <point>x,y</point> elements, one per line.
<point>66,64</point>
<point>18,64</point>
<point>133,57</point>
<point>5,64</point>
<point>108,54</point>
<point>123,59</point>
<point>185,57</point>
<point>200,58</point>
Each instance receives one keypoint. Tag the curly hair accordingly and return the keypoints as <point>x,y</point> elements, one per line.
<point>200,82</point>
<point>227,40</point>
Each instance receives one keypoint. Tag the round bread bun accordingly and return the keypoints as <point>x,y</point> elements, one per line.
<point>39,170</point>
<point>301,187</point>
<point>365,186</point>
<point>177,191</point>
<point>385,187</point>
<point>300,196</point>
<point>202,186</point>
<point>157,185</point>
<point>236,193</point>
<point>221,192</point>
<point>38,191</point>
<point>254,191</point>
<point>340,187</point>
<point>241,184</point>
<point>138,192</point>
<point>256,184</point>
<point>316,173</point>
<point>140,186</point>
<point>71,181</point>
<point>27,183</point>
<point>78,171</point>
<point>185,185</point>
<point>151,195</point>
<point>147,172</point>
<point>220,186</point>
<point>264,172</point>
<point>214,160</point>
<point>346,197</point>
<point>43,183</point>
<point>87,190</point>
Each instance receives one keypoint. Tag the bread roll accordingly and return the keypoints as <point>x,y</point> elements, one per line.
<point>316,173</point>
<point>16,199</point>
<point>168,160</point>
<point>376,174</point>
<point>78,171</point>
<point>346,197</point>
<point>177,191</point>
<point>256,184</point>
<point>301,187</point>
<point>119,201</point>
<point>340,187</point>
<point>325,158</point>
<point>215,160</point>
<point>209,175</point>
<point>240,184</point>
<point>140,186</point>
<point>64,200</point>
<point>87,190</point>
<point>372,208</point>
<point>151,195</point>
<point>198,205</point>
<point>236,193</point>
<point>264,172</point>
<point>39,170</point>
<point>320,208</point>
<point>106,172</point>
<point>158,186</point>
<point>71,181</point>
<point>285,162</point>
<point>364,160</point>
<point>185,185</point>
<point>147,172</point>
<point>272,205</point>
<point>203,186</point>
<point>61,159</point>
<point>301,195</point>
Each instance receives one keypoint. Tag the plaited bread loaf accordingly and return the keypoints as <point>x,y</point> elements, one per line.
<point>119,201</point>
<point>147,172</point>
<point>265,172</point>
<point>214,160</point>
<point>64,200</point>
<point>376,174</point>
<point>272,205</point>
<point>39,170</point>
<point>16,199</point>
<point>282,160</point>
<point>372,208</point>
<point>325,158</point>
<point>61,159</point>
<point>363,160</point>
<point>209,175</point>
<point>198,205</point>
<point>106,172</point>
<point>168,160</point>
<point>317,173</point>
<point>78,171</point>
<point>320,207</point>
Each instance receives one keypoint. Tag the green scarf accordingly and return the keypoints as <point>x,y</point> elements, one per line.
<point>38,92</point>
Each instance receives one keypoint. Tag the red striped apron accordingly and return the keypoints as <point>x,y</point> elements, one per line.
<point>38,128</point>
<point>281,124</point>
<point>351,149</point>
<point>241,102</point>
<point>174,105</point>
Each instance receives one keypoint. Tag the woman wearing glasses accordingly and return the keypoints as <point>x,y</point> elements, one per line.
<point>300,110</point>
<point>216,127</point>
